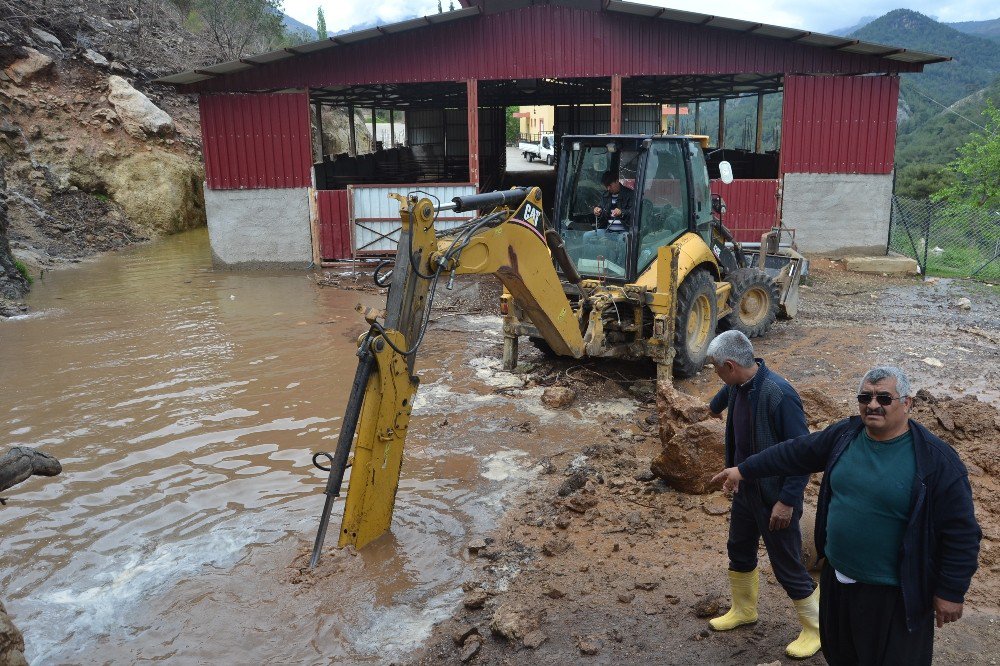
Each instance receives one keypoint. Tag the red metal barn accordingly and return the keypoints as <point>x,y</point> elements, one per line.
<point>276,196</point>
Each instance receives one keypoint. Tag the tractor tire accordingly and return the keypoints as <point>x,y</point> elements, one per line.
<point>697,319</point>
<point>754,300</point>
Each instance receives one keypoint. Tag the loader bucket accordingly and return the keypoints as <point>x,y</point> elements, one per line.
<point>786,267</point>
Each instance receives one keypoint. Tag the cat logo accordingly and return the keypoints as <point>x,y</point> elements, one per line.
<point>532,215</point>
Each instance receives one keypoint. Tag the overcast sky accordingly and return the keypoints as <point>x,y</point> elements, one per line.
<point>815,15</point>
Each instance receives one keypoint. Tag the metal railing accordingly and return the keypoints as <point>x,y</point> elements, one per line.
<point>946,240</point>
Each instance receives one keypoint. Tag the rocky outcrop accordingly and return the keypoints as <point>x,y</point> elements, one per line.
<point>140,117</point>
<point>159,191</point>
<point>13,285</point>
<point>31,65</point>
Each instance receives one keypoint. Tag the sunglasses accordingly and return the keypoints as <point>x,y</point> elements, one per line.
<point>883,399</point>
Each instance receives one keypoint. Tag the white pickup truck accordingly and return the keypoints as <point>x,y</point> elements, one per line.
<point>544,149</point>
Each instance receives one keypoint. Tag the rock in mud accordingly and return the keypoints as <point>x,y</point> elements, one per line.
<point>709,606</point>
<point>476,599</point>
<point>477,545</point>
<point>822,410</point>
<point>556,546</point>
<point>676,409</point>
<point>470,649</point>
<point>553,591</point>
<point>558,397</point>
<point>580,503</point>
<point>140,117</point>
<point>692,456</point>
<point>626,597</point>
<point>534,639</point>
<point>462,634</point>
<point>511,623</point>
<point>563,521</point>
<point>573,483</point>
<point>589,645</point>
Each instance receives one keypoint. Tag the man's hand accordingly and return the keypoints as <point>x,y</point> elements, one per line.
<point>781,516</point>
<point>946,611</point>
<point>597,210</point>
<point>616,212</point>
<point>730,478</point>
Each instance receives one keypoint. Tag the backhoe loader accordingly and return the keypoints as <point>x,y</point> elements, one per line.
<point>652,284</point>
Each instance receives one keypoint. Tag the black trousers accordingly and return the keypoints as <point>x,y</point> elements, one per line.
<point>748,523</point>
<point>865,625</point>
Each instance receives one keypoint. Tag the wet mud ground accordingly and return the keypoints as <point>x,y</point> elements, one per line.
<point>598,561</point>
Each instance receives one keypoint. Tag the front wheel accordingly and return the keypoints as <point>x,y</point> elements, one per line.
<point>697,317</point>
<point>754,300</point>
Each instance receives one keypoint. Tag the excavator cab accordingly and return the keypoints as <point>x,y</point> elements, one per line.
<point>667,187</point>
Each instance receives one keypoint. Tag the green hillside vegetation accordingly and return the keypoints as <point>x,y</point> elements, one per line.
<point>928,133</point>
<point>987,29</point>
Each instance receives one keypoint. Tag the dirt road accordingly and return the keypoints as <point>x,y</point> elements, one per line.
<point>600,561</point>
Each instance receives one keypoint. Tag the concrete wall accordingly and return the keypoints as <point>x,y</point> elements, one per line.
<point>838,214</point>
<point>259,228</point>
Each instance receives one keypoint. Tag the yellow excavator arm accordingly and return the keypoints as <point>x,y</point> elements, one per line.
<point>507,243</point>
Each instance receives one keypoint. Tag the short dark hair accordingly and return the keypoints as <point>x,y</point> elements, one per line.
<point>607,178</point>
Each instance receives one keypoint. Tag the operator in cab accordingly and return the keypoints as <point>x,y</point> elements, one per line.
<point>616,202</point>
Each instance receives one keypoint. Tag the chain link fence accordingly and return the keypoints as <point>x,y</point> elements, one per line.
<point>945,240</point>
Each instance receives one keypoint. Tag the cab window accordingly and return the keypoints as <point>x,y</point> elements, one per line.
<point>662,215</point>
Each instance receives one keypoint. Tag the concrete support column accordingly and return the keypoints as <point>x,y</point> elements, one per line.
<point>697,117</point>
<point>472,99</point>
<point>392,127</point>
<point>616,104</point>
<point>319,126</point>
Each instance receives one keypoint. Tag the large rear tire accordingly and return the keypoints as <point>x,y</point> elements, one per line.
<point>697,318</point>
<point>754,300</point>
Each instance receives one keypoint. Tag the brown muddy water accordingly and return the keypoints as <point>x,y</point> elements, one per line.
<point>185,404</point>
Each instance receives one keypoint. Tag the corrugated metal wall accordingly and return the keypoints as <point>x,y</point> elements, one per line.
<point>636,119</point>
<point>334,224</point>
<point>751,206</point>
<point>256,141</point>
<point>839,124</point>
<point>549,42</point>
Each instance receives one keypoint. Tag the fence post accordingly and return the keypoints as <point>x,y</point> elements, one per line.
<point>927,238</point>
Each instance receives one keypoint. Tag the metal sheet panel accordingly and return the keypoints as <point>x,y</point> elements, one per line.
<point>544,41</point>
<point>839,124</point>
<point>334,225</point>
<point>751,206</point>
<point>256,141</point>
<point>375,217</point>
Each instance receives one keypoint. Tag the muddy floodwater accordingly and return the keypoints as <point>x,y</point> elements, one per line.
<point>185,404</point>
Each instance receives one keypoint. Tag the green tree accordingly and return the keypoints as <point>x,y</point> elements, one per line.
<point>977,170</point>
<point>513,125</point>
<point>440,11</point>
<point>320,24</point>
<point>922,180</point>
<point>237,28</point>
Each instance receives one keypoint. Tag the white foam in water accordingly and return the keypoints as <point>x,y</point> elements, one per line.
<point>438,398</point>
<point>505,465</point>
<point>104,606</point>
<point>397,630</point>
<point>617,407</point>
<point>487,369</point>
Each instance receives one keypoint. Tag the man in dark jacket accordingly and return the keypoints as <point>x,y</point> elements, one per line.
<point>762,410</point>
<point>616,202</point>
<point>895,522</point>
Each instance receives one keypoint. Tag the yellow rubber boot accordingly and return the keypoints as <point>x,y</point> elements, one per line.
<point>744,611</point>
<point>807,644</point>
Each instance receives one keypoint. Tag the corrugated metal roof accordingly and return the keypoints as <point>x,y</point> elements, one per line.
<point>483,50</point>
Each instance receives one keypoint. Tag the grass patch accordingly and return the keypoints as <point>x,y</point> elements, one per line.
<point>23,270</point>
